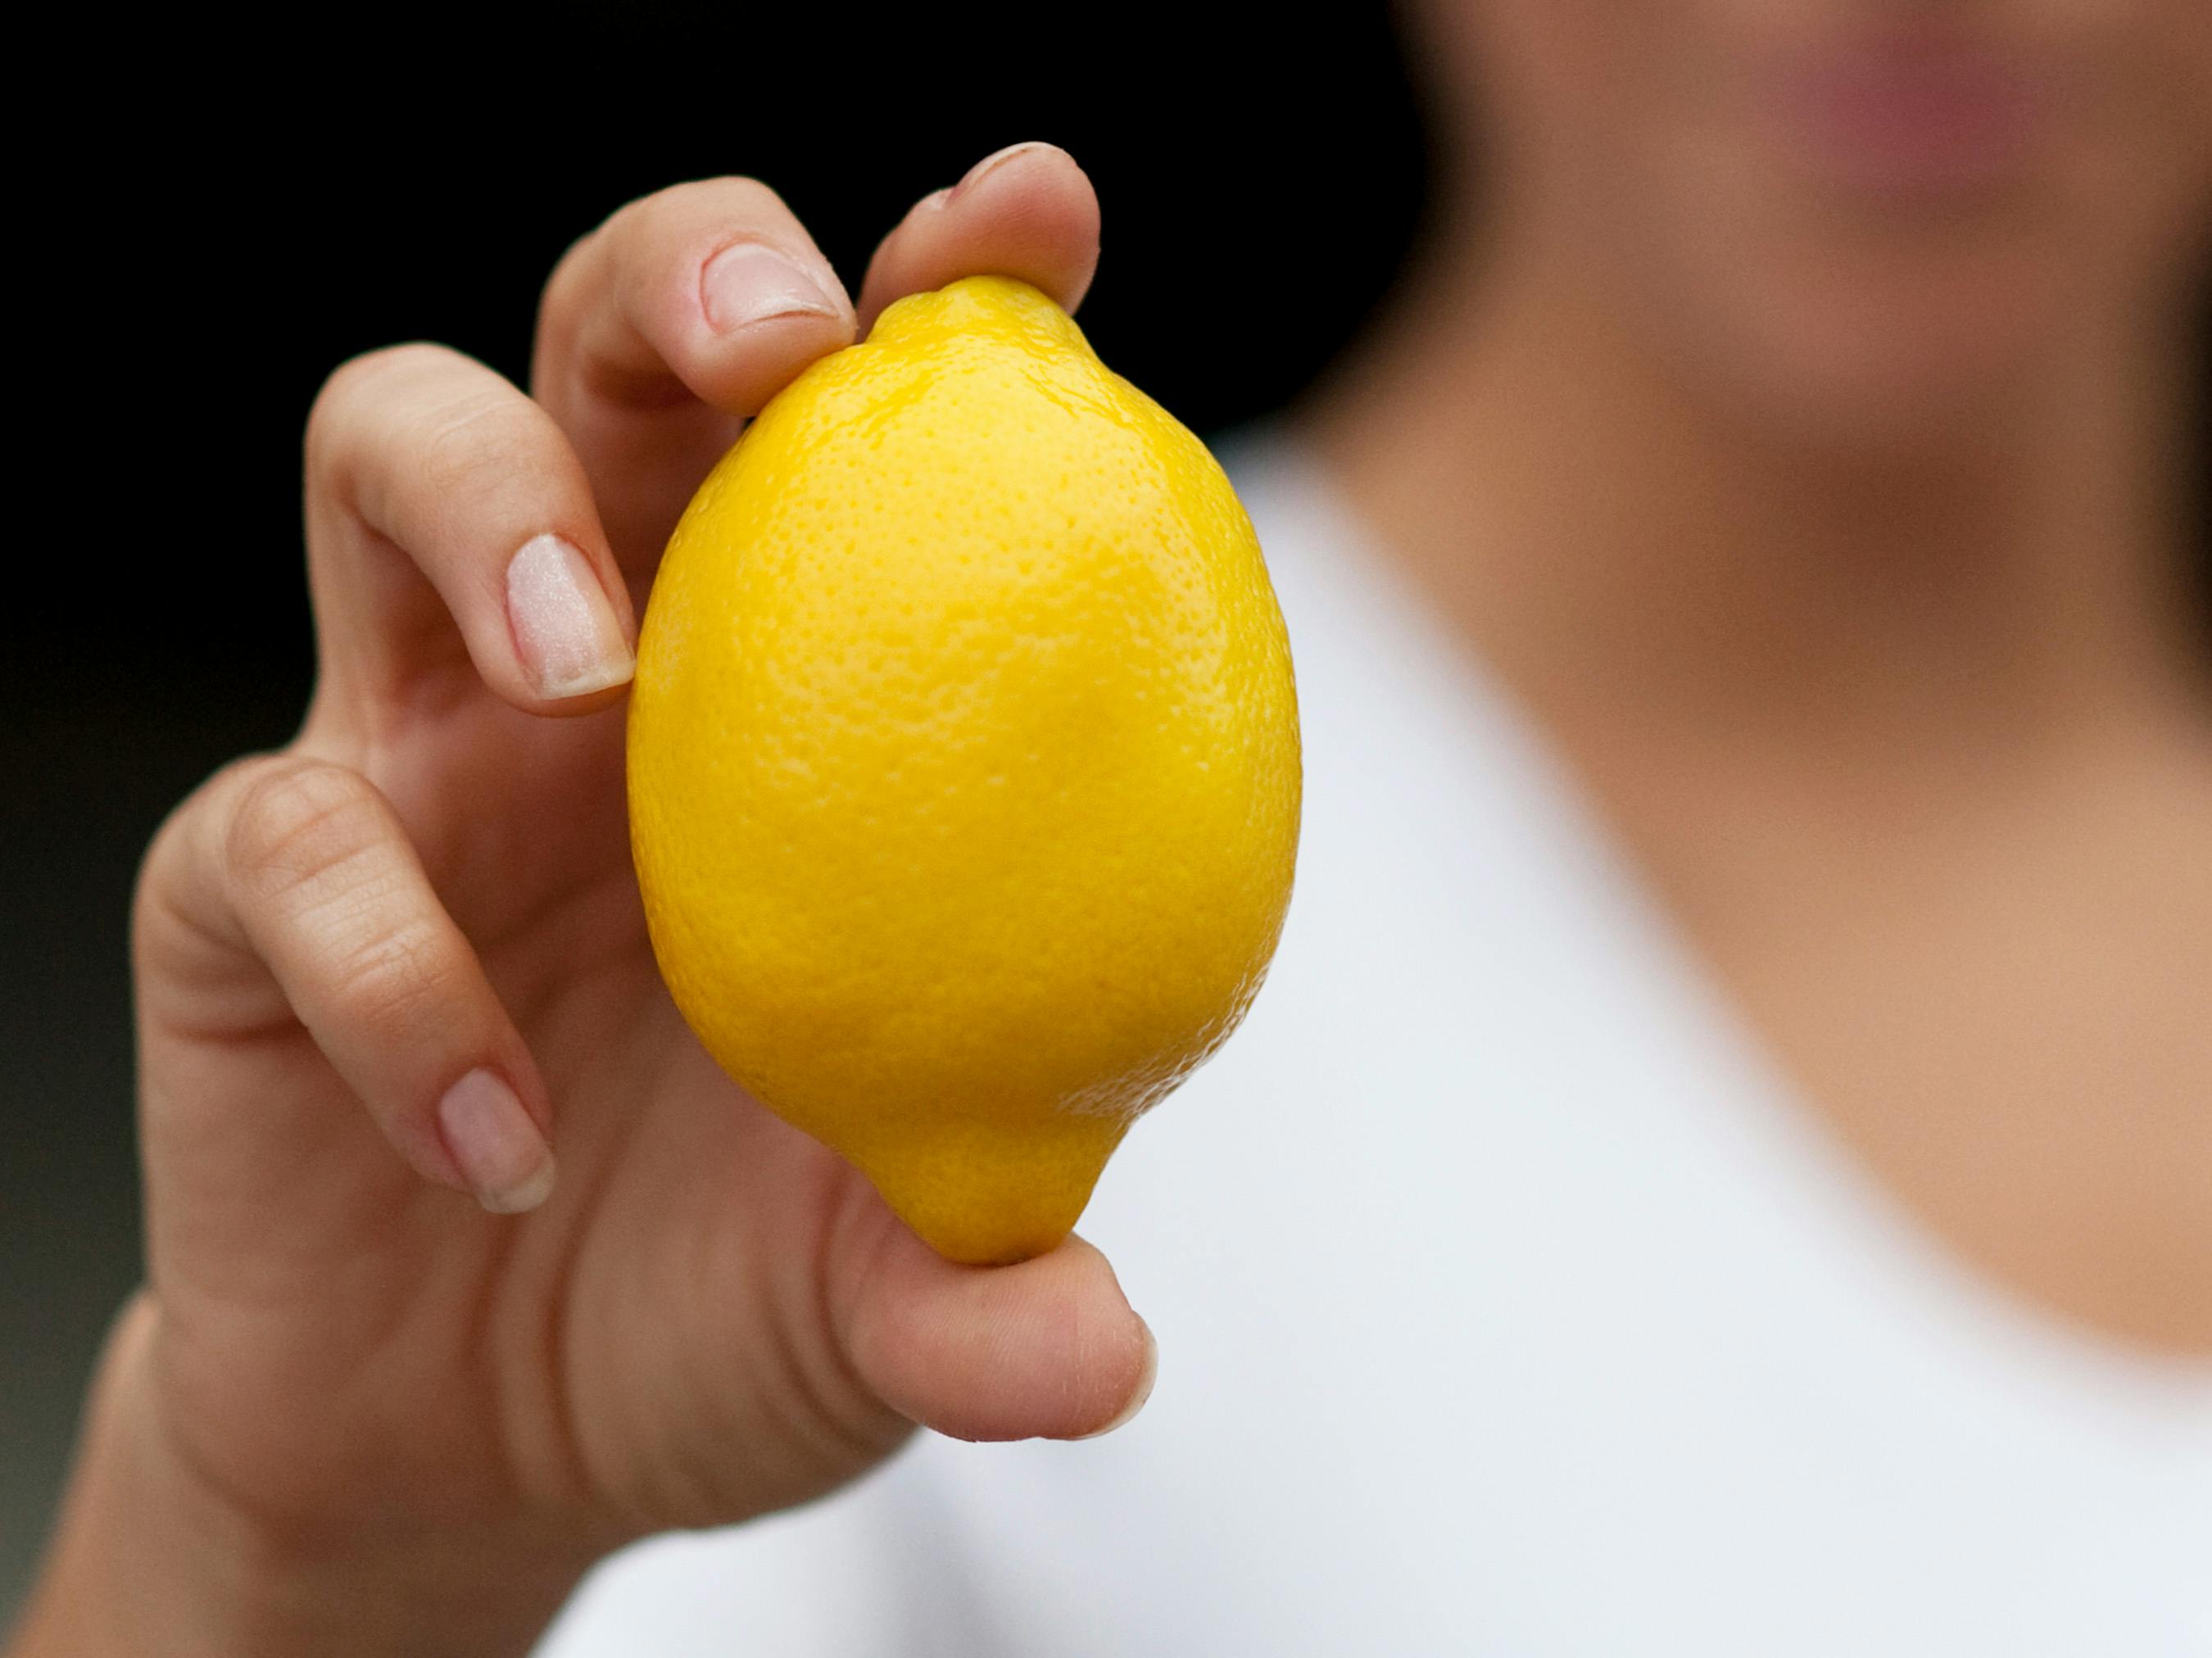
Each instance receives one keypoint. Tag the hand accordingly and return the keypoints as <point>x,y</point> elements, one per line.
<point>384,976</point>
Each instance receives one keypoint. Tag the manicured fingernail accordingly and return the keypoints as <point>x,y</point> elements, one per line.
<point>989,165</point>
<point>501,1153</point>
<point>749,282</point>
<point>565,630</point>
<point>1140,1393</point>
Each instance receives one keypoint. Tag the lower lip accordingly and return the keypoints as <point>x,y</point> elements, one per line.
<point>1911,118</point>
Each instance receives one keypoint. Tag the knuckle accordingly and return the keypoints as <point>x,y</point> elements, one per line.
<point>401,978</point>
<point>411,423</point>
<point>293,821</point>
<point>172,844</point>
<point>175,860</point>
<point>485,431</point>
<point>360,383</point>
<point>676,212</point>
<point>566,279</point>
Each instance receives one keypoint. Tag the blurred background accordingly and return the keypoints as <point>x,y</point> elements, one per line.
<point>285,205</point>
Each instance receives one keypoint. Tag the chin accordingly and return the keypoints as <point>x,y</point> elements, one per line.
<point>1931,349</point>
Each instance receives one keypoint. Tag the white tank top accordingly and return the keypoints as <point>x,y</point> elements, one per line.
<point>1507,1302</point>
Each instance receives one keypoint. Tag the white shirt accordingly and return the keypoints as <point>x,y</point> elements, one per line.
<point>1507,1302</point>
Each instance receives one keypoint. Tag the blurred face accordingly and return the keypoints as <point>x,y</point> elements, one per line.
<point>1855,218</point>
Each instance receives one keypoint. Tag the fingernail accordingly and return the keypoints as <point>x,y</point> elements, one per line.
<point>501,1153</point>
<point>565,630</point>
<point>749,282</point>
<point>1139,1393</point>
<point>989,165</point>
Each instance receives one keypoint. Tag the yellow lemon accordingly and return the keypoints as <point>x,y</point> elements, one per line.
<point>963,762</point>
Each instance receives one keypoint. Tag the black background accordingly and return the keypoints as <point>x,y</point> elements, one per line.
<point>228,215</point>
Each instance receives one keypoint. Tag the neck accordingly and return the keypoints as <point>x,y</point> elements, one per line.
<point>1610,543</point>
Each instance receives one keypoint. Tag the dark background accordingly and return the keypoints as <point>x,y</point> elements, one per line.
<point>267,206</point>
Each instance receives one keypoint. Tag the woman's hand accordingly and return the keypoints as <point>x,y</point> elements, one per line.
<point>401,966</point>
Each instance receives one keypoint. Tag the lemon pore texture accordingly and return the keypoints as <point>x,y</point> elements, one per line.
<point>963,762</point>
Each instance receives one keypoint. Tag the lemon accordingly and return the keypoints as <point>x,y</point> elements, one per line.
<point>963,762</point>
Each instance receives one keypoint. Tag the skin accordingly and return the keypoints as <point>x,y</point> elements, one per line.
<point>1864,633</point>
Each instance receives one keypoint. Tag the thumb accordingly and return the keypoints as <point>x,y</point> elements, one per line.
<point>1049,1349</point>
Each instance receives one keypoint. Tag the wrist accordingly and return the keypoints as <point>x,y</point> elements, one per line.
<point>147,1557</point>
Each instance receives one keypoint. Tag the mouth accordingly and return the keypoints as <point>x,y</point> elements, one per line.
<point>1913,115</point>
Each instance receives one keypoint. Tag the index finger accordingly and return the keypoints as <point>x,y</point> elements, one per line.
<point>711,291</point>
<point>663,330</point>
